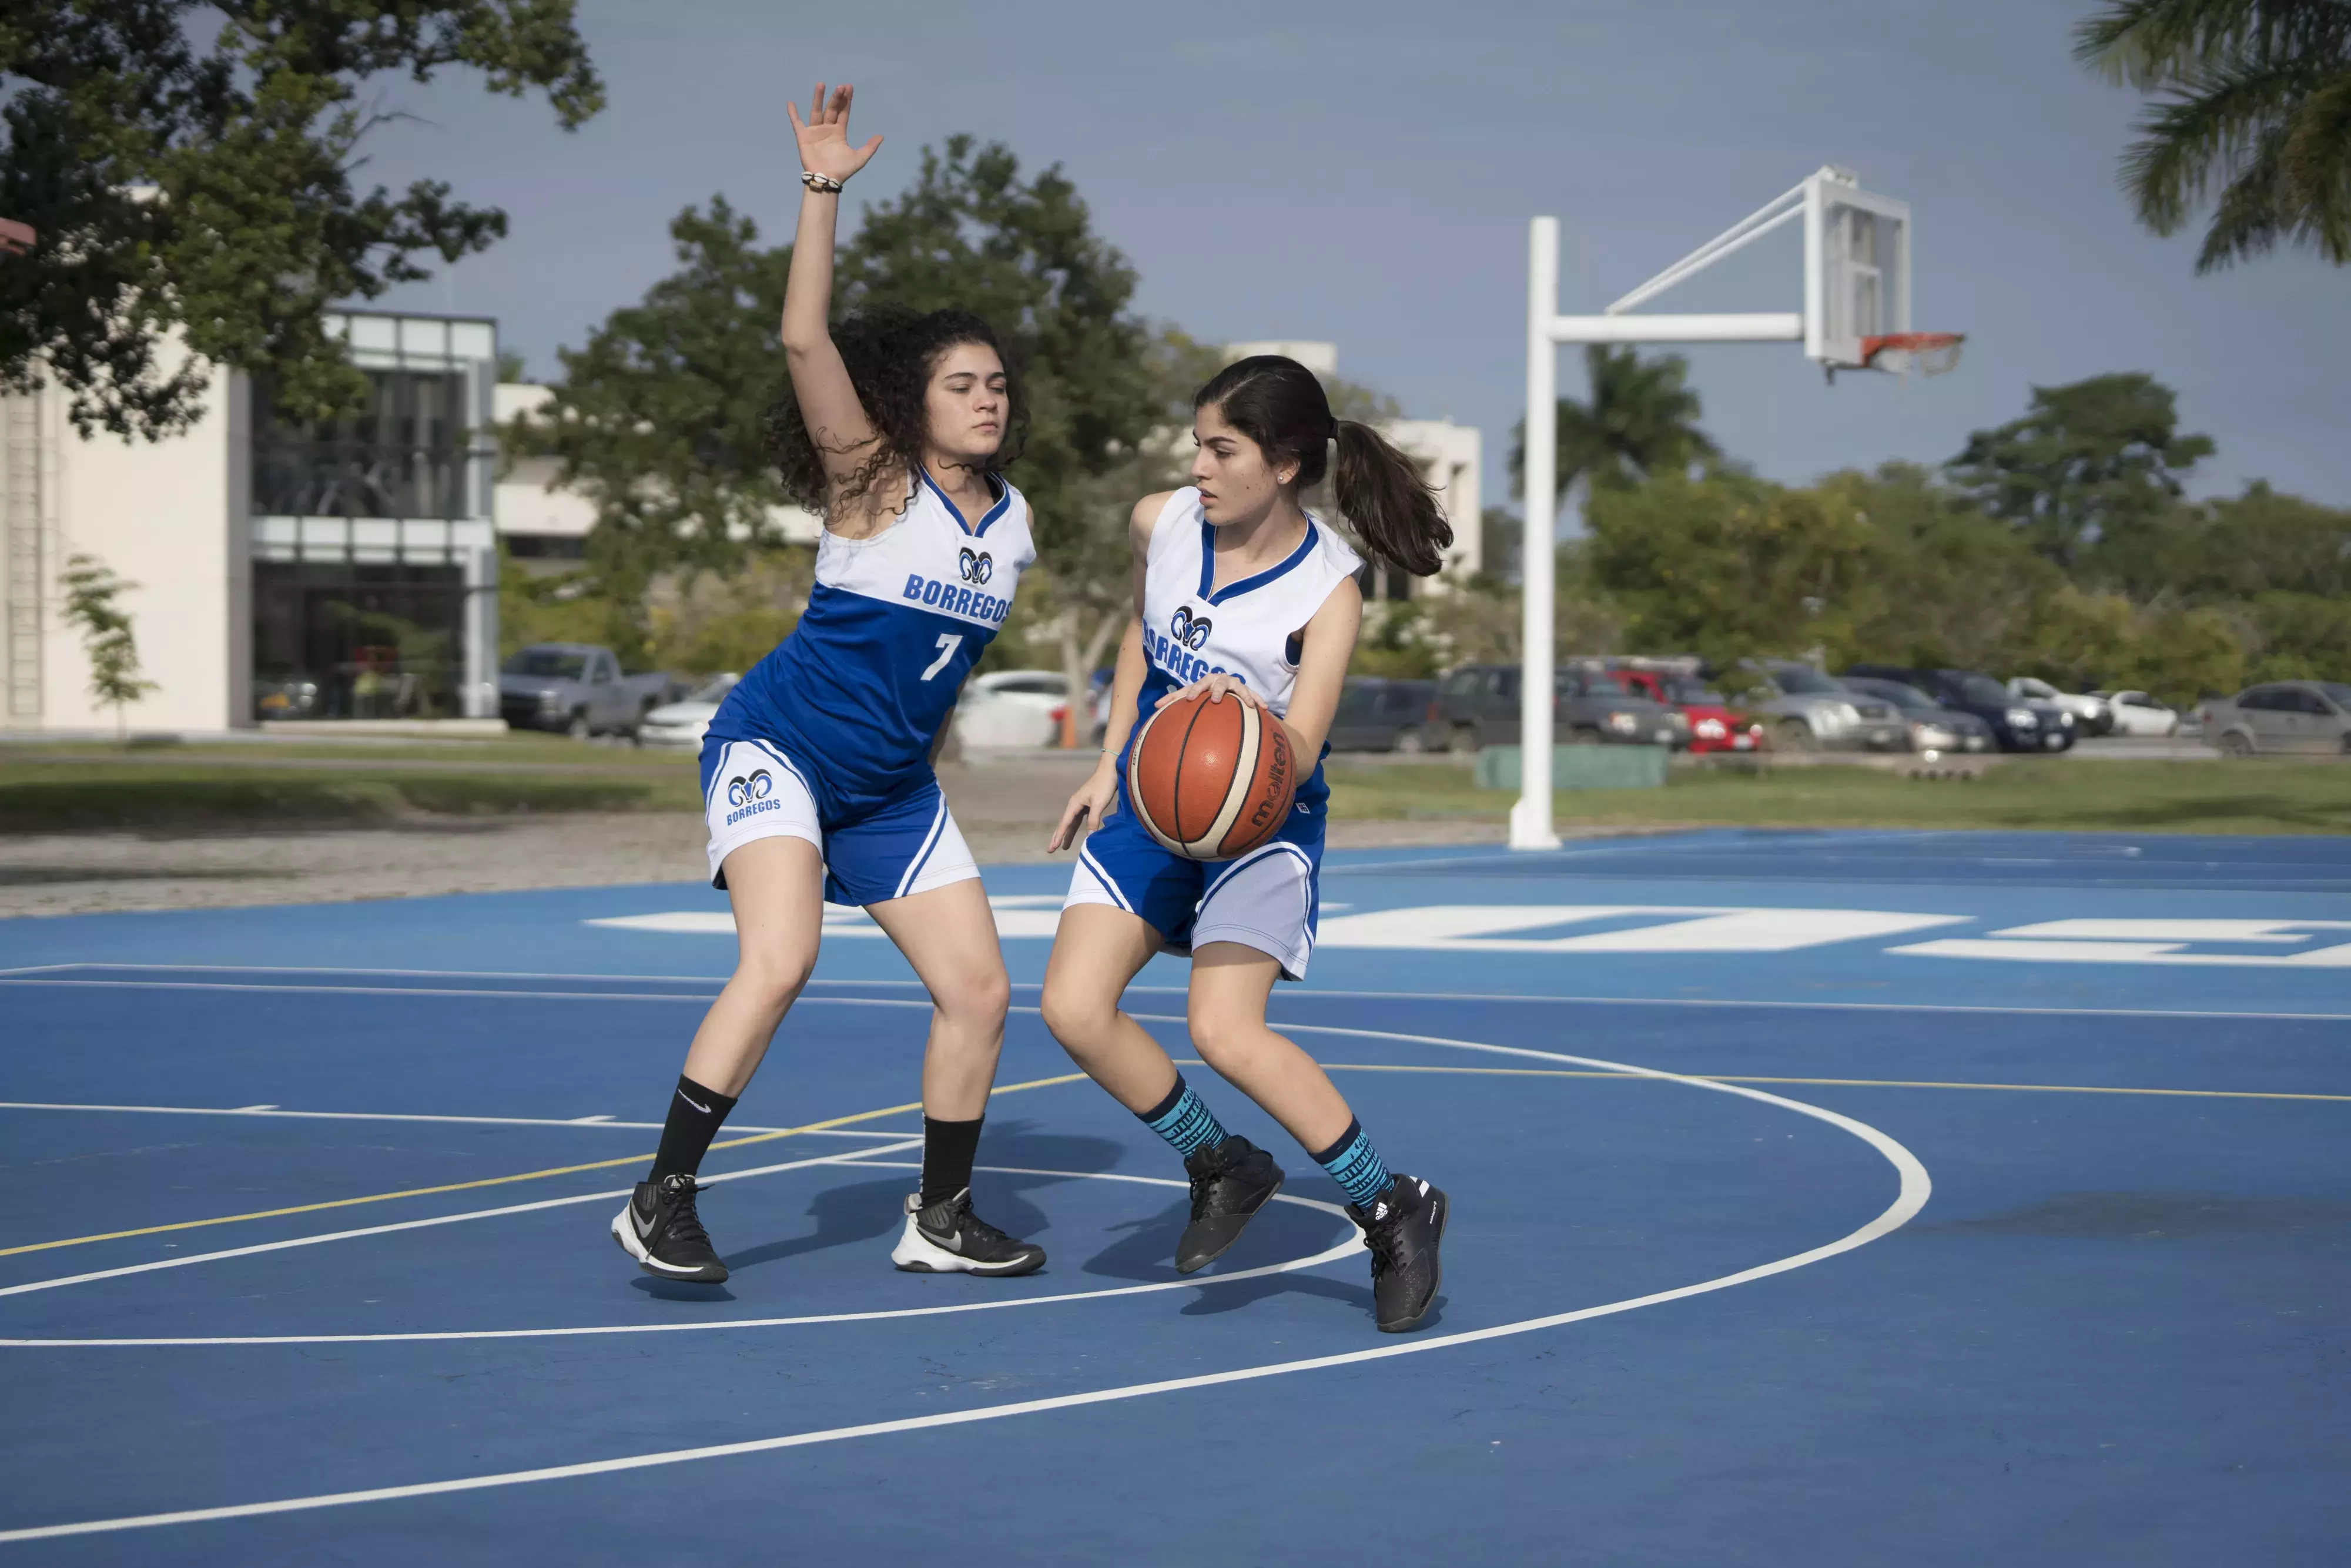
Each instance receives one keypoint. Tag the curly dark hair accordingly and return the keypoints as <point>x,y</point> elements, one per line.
<point>890,351</point>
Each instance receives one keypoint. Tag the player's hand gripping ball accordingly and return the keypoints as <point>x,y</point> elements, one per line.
<point>1211,777</point>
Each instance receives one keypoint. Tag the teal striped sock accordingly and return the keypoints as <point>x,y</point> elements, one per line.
<point>1356,1167</point>
<point>1184,1119</point>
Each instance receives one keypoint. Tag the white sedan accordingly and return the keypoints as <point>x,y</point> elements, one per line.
<point>2135,713</point>
<point>1012,709</point>
<point>2092,712</point>
<point>682,723</point>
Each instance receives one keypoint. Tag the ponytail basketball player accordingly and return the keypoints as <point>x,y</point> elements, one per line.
<point>1240,595</point>
<point>816,771</point>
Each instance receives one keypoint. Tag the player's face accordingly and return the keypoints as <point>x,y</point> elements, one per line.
<point>965,404</point>
<point>1236,482</point>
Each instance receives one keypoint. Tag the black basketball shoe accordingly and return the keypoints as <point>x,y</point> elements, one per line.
<point>1230,1182</point>
<point>1401,1229</point>
<point>660,1230</point>
<point>948,1238</point>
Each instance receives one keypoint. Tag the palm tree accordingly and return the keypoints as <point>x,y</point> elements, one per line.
<point>2256,103</point>
<point>1642,418</point>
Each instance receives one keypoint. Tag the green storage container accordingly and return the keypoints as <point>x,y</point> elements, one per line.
<point>1579,766</point>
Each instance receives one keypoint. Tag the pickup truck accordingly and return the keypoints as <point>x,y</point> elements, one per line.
<point>577,689</point>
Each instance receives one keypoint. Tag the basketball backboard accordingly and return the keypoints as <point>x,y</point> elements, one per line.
<point>1857,269</point>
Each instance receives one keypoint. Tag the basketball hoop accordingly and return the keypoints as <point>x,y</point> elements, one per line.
<point>1929,354</point>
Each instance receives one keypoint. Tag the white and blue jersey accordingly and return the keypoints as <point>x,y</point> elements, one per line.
<point>846,709</point>
<point>1250,630</point>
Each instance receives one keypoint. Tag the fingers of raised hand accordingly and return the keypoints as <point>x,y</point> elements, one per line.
<point>840,97</point>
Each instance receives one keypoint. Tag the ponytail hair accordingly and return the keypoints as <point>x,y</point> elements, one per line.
<point>1280,404</point>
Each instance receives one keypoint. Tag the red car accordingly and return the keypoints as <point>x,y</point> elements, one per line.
<point>1712,725</point>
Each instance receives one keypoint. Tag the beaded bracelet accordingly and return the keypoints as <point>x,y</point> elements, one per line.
<point>816,181</point>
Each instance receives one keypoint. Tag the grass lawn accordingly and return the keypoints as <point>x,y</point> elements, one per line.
<point>2257,797</point>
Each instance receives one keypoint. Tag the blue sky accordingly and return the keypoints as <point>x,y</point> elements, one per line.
<point>1364,172</point>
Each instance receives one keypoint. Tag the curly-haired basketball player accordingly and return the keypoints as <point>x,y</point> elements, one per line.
<point>816,772</point>
<point>1240,593</point>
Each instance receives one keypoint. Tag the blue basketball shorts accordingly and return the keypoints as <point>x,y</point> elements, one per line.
<point>1267,899</point>
<point>907,844</point>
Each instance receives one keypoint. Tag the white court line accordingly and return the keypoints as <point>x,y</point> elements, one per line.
<point>1352,1243</point>
<point>1914,1189</point>
<point>1987,1010</point>
<point>843,1157</point>
<point>272,1112</point>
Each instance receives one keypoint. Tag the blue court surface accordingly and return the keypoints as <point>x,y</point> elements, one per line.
<point>1820,1199</point>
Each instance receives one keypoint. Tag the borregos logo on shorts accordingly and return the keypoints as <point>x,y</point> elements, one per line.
<point>750,794</point>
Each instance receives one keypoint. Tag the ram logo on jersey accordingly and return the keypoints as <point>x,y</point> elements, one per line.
<point>969,603</point>
<point>1177,654</point>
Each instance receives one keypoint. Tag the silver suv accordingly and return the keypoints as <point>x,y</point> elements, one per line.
<point>1808,711</point>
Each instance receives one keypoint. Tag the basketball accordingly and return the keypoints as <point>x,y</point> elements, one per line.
<point>1211,780</point>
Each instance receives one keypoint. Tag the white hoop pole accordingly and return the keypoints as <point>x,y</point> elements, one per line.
<point>1530,820</point>
<point>1531,827</point>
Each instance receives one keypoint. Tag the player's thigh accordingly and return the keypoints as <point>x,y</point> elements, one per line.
<point>948,933</point>
<point>775,885</point>
<point>1097,950</point>
<point>1231,983</point>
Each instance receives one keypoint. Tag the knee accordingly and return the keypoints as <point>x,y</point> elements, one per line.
<point>1077,1015</point>
<point>979,996</point>
<point>1221,1038</point>
<point>771,979</point>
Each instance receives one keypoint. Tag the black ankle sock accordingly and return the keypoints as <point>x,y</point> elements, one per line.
<point>948,1149</point>
<point>695,1114</point>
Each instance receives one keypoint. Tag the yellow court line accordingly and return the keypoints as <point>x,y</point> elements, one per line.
<point>1833,1082</point>
<point>500,1181</point>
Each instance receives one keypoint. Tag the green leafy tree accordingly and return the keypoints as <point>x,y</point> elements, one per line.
<point>91,588</point>
<point>656,419</point>
<point>1729,567</point>
<point>1956,589</point>
<point>2256,543</point>
<point>2088,473</point>
<point>2295,637</point>
<point>2251,114</point>
<point>190,167</point>
<point>1639,421</point>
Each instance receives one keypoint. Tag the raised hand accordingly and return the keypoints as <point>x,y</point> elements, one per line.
<point>824,137</point>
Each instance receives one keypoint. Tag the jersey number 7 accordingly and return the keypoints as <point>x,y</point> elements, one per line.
<point>948,642</point>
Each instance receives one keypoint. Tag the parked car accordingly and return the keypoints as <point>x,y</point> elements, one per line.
<point>1477,706</point>
<point>1808,711</point>
<point>578,689</point>
<point>1377,713</point>
<point>1713,725</point>
<point>685,721</point>
<point>2283,717</point>
<point>2016,724</point>
<point>1933,727</point>
<point>1012,709</point>
<point>2092,714</point>
<point>2135,713</point>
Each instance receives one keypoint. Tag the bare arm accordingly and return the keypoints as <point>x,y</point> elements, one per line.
<point>1097,796</point>
<point>836,421</point>
<point>1330,643</point>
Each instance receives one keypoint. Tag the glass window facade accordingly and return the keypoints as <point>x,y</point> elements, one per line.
<point>374,564</point>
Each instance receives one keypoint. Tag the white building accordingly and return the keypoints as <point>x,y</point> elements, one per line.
<point>337,570</point>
